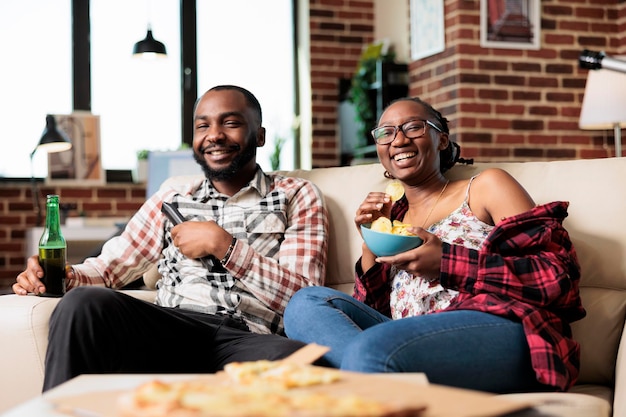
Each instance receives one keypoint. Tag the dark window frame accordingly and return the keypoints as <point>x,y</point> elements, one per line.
<point>81,62</point>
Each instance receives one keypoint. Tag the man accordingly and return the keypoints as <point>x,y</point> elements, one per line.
<point>266,235</point>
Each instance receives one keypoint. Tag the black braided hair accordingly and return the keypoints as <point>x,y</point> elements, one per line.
<point>449,156</point>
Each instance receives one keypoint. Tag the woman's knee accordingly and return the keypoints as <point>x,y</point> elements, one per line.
<point>302,301</point>
<point>303,309</point>
<point>312,294</point>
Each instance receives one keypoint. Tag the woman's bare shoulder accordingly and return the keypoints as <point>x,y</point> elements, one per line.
<point>496,175</point>
<point>497,193</point>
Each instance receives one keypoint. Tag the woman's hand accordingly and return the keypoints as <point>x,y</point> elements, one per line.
<point>375,205</point>
<point>425,260</point>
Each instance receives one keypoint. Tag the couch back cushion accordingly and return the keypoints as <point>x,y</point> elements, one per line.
<point>344,188</point>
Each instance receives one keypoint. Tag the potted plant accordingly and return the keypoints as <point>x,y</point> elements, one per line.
<point>361,87</point>
<point>279,141</point>
<point>141,173</point>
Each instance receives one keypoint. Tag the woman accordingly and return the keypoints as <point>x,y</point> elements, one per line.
<point>484,303</point>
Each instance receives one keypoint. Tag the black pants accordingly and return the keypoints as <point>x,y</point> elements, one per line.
<point>98,330</point>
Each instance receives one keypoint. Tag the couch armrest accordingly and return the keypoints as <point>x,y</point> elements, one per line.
<point>24,334</point>
<point>24,339</point>
<point>619,402</point>
<point>151,277</point>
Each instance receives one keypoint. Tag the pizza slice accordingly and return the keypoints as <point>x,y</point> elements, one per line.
<point>281,373</point>
<point>200,399</point>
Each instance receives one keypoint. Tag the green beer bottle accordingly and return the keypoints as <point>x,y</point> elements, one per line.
<point>52,251</point>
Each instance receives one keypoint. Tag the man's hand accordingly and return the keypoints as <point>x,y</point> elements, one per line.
<point>199,239</point>
<point>29,281</point>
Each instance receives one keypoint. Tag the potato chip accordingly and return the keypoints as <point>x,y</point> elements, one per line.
<point>395,190</point>
<point>382,224</point>
<point>402,230</point>
<point>399,228</point>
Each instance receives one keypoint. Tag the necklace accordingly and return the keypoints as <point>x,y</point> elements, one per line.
<point>436,201</point>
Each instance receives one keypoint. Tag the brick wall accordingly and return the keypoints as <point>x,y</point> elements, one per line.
<point>17,214</point>
<point>503,104</point>
<point>339,29</point>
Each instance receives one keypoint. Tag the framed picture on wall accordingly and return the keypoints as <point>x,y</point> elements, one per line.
<point>512,24</point>
<point>427,28</point>
<point>82,163</point>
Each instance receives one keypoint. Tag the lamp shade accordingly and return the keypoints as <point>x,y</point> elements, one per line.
<point>149,45</point>
<point>52,139</point>
<point>604,103</point>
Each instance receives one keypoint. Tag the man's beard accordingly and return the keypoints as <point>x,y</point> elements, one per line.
<point>241,160</point>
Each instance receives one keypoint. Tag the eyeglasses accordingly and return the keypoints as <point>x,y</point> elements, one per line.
<point>412,129</point>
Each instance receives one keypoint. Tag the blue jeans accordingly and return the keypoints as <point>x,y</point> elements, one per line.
<point>467,349</point>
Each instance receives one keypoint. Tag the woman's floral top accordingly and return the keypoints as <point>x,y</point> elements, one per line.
<point>413,295</point>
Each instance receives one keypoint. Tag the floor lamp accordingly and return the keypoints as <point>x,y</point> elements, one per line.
<point>604,103</point>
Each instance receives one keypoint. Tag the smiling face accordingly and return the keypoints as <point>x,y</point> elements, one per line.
<point>227,131</point>
<point>404,158</point>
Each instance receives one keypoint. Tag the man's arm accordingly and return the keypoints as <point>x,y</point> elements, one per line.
<point>301,260</point>
<point>126,257</point>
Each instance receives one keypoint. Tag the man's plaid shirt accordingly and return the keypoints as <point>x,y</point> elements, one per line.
<point>281,226</point>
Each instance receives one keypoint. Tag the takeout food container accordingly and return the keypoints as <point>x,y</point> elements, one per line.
<point>388,244</point>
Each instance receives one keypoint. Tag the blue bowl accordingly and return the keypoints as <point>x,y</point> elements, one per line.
<point>387,244</point>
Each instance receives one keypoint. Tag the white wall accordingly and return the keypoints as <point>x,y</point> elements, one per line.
<point>391,21</point>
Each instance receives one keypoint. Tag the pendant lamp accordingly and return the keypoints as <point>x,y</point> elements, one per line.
<point>149,47</point>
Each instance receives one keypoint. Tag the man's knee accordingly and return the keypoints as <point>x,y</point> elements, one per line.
<point>281,347</point>
<point>83,299</point>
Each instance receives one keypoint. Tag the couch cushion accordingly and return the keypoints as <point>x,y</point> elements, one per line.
<point>561,405</point>
<point>24,324</point>
<point>601,330</point>
<point>24,334</point>
<point>344,188</point>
